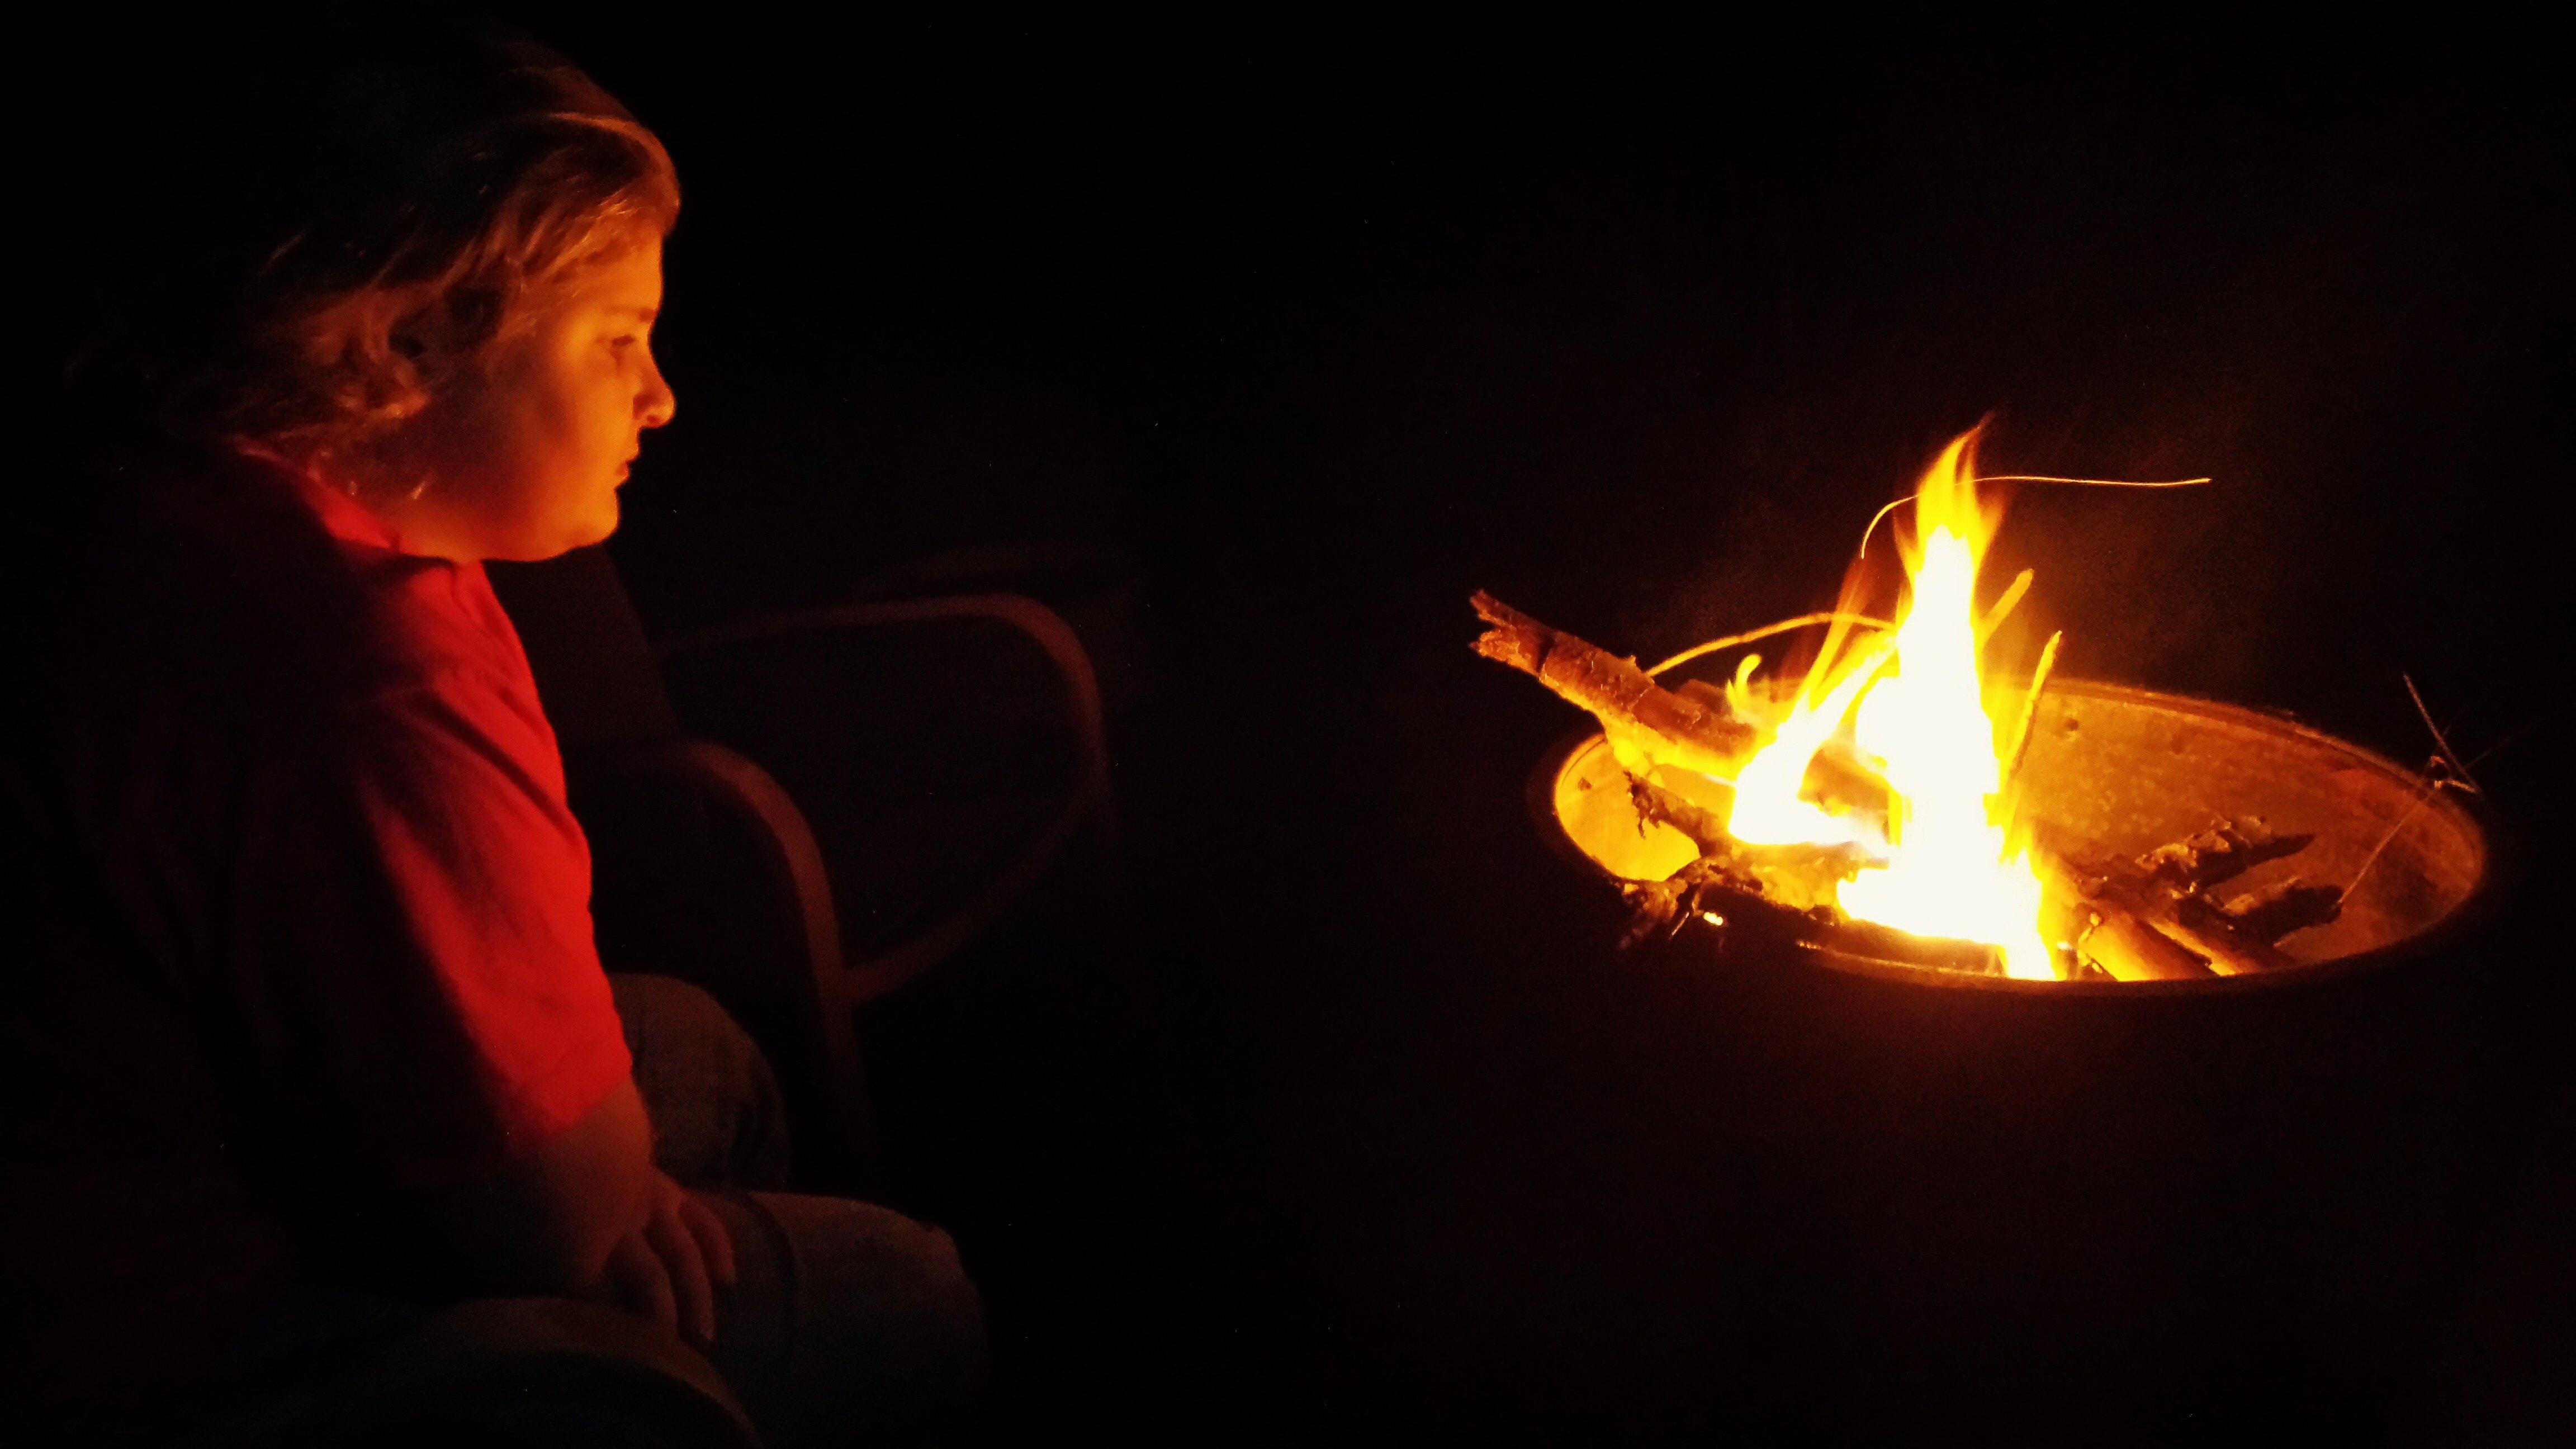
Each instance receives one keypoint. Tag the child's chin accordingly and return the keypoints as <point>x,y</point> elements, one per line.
<point>566,534</point>
<point>601,522</point>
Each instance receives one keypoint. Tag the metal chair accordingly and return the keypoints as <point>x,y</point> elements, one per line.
<point>942,758</point>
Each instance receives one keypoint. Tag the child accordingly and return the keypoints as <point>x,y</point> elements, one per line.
<point>306,1031</point>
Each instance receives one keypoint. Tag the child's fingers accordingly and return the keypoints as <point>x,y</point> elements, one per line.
<point>642,1281</point>
<point>713,1240</point>
<point>686,1269</point>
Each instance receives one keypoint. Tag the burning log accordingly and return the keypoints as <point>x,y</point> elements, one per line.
<point>1711,891</point>
<point>1800,876</point>
<point>1656,805</point>
<point>1669,727</point>
<point>2114,921</point>
<point>1674,728</point>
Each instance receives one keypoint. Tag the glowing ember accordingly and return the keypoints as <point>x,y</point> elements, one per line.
<point>1951,868</point>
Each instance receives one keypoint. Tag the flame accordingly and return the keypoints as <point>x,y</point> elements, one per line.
<point>1917,701</point>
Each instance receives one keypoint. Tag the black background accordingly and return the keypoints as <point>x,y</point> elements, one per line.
<point>1315,327</point>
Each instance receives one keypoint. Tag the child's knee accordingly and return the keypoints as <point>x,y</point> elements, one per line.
<point>717,1115</point>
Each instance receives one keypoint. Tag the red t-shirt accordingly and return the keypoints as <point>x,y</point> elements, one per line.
<point>464,875</point>
<point>310,915</point>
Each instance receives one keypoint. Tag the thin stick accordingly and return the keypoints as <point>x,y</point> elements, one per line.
<point>1766,631</point>
<point>2012,596</point>
<point>2004,605</point>
<point>1897,503</point>
<point>2440,742</point>
<point>1674,729</point>
<point>2422,798</point>
<point>2089,482</point>
<point>2431,787</point>
<point>2030,710</point>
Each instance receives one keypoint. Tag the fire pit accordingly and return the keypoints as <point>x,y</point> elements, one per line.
<point>2191,1130</point>
<point>2232,1199</point>
<point>2130,772</point>
<point>1893,803</point>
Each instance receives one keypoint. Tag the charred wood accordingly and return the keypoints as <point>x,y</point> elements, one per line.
<point>2224,851</point>
<point>1799,876</point>
<point>1658,806</point>
<point>2198,922</point>
<point>1738,905</point>
<point>2285,906</point>
<point>2132,912</point>
<point>2112,922</point>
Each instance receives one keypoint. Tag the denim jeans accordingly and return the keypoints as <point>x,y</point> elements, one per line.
<point>849,1323</point>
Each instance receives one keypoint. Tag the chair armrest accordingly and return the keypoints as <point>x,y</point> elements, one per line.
<point>1089,806</point>
<point>796,858</point>
<point>647,797</point>
<point>1043,626</point>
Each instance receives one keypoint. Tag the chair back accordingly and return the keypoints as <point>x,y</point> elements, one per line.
<point>702,868</point>
<point>594,667</point>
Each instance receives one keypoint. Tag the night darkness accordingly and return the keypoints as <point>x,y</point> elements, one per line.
<point>1269,347</point>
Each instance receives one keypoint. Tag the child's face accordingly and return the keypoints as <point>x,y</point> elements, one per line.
<point>526,458</point>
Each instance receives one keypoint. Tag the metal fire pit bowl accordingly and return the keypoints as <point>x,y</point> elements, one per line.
<point>2233,1196</point>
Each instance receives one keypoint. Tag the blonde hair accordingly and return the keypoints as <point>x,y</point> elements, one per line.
<point>443,192</point>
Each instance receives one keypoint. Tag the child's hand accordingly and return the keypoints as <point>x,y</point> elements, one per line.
<point>669,1270</point>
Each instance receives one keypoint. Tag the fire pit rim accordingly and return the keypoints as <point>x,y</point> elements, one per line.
<point>2497,877</point>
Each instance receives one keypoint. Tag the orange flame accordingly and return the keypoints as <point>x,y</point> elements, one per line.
<point>1917,700</point>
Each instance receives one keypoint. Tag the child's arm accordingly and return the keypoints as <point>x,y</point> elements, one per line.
<point>548,1220</point>
<point>588,1214</point>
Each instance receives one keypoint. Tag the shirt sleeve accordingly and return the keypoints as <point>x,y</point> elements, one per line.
<point>419,959</point>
